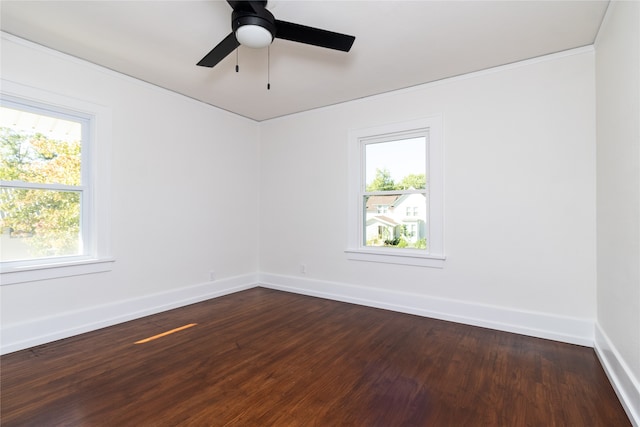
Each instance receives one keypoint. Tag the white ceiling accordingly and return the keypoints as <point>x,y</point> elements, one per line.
<point>398,44</point>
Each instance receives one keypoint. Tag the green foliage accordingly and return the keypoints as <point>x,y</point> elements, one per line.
<point>399,242</point>
<point>392,242</point>
<point>51,217</point>
<point>374,242</point>
<point>414,181</point>
<point>384,182</point>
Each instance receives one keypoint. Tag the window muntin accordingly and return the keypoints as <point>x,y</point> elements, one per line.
<point>408,180</point>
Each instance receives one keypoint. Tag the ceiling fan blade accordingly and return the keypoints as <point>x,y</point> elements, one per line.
<point>247,5</point>
<point>218,53</point>
<point>313,36</point>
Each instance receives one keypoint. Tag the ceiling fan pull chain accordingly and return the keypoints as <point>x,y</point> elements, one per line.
<point>237,54</point>
<point>269,67</point>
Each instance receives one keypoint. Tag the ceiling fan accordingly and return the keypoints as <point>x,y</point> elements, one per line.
<point>254,26</point>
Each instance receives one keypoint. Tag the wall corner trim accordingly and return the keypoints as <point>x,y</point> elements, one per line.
<point>625,385</point>
<point>536,324</point>
<point>46,329</point>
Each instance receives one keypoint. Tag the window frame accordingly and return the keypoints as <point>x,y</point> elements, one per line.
<point>356,250</point>
<point>95,222</point>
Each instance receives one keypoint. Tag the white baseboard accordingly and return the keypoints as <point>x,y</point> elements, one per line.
<point>542,325</point>
<point>39,331</point>
<point>626,386</point>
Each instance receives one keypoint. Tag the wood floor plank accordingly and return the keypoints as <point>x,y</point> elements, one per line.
<point>268,358</point>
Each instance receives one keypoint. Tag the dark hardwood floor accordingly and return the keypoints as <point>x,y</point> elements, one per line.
<point>268,358</point>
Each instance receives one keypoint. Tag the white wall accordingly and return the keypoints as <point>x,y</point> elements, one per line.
<point>519,200</point>
<point>184,202</point>
<point>618,197</point>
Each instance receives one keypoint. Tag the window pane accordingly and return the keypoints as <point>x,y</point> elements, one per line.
<point>396,165</point>
<point>39,223</point>
<point>395,220</point>
<point>38,148</point>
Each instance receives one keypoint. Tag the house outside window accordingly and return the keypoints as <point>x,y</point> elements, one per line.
<point>398,166</point>
<point>52,186</point>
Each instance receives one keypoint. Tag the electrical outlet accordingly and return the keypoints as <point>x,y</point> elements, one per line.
<point>303,268</point>
<point>212,275</point>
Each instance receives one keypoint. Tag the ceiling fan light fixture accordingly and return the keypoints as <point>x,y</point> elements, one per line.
<point>254,36</point>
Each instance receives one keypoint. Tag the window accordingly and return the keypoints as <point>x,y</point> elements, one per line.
<point>398,166</point>
<point>42,183</point>
<point>412,211</point>
<point>52,217</point>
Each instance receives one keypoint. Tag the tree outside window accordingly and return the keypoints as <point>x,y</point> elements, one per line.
<point>41,193</point>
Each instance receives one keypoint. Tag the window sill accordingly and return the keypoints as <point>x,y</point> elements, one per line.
<point>13,274</point>
<point>395,257</point>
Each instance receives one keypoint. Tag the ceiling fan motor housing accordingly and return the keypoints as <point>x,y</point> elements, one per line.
<point>240,18</point>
